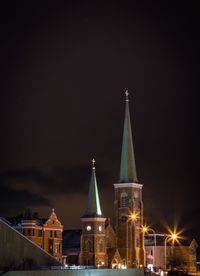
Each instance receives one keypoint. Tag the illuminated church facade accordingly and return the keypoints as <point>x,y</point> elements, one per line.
<point>123,246</point>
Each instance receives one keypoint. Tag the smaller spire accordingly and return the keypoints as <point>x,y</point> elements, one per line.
<point>93,208</point>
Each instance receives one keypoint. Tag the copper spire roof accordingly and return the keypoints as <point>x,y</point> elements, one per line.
<point>93,204</point>
<point>127,167</point>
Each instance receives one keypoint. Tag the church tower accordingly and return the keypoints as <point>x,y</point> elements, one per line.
<point>93,238</point>
<point>128,204</point>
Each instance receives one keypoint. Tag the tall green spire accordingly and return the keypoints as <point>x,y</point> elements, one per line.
<point>93,204</point>
<point>127,167</point>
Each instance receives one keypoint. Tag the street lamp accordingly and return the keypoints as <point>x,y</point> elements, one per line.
<point>173,237</point>
<point>131,218</point>
<point>146,230</point>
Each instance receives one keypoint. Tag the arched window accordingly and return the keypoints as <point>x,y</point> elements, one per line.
<point>123,263</point>
<point>88,246</point>
<point>123,200</point>
<point>100,246</point>
<point>123,218</point>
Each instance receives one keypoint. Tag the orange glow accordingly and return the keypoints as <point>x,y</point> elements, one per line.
<point>144,229</point>
<point>133,216</point>
<point>174,236</point>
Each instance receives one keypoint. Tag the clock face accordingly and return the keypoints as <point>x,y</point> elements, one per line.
<point>88,228</point>
<point>100,228</point>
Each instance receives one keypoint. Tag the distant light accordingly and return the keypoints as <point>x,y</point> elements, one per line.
<point>174,236</point>
<point>144,229</point>
<point>133,216</point>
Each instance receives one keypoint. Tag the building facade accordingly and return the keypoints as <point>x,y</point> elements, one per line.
<point>181,256</point>
<point>46,233</point>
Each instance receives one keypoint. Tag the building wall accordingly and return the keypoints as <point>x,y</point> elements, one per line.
<point>47,236</point>
<point>52,236</point>
<point>181,257</point>
<point>93,243</point>
<point>130,242</point>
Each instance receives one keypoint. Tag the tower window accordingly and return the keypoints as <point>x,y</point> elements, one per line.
<point>123,200</point>
<point>100,246</point>
<point>123,218</point>
<point>88,246</point>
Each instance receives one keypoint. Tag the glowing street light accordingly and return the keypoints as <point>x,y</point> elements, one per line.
<point>173,237</point>
<point>146,229</point>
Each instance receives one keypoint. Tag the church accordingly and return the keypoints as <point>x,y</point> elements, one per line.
<point>121,246</point>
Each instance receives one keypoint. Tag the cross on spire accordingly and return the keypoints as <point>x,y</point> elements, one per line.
<point>126,93</point>
<point>93,162</point>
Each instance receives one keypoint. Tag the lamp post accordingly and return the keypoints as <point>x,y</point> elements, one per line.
<point>146,229</point>
<point>131,218</point>
<point>173,238</point>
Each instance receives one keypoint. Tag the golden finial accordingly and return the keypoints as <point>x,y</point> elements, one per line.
<point>93,162</point>
<point>126,93</point>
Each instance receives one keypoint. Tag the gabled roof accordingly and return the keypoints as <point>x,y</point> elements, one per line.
<point>53,220</point>
<point>112,254</point>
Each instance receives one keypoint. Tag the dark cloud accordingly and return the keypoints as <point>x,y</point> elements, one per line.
<point>14,201</point>
<point>57,180</point>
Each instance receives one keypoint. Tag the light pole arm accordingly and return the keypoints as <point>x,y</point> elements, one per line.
<point>165,251</point>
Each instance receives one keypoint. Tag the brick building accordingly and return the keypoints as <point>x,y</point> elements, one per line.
<point>46,233</point>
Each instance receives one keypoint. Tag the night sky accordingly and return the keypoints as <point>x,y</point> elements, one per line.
<point>64,69</point>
